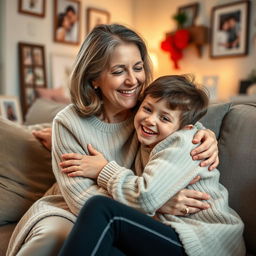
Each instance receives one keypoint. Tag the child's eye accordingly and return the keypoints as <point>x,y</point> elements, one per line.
<point>165,119</point>
<point>147,109</point>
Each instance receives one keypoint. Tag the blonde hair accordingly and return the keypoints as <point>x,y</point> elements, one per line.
<point>93,57</point>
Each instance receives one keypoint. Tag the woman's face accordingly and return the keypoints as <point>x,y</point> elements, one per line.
<point>121,82</point>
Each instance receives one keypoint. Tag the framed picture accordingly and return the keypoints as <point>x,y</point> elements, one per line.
<point>230,28</point>
<point>96,17</point>
<point>32,7</point>
<point>61,70</point>
<point>32,72</point>
<point>10,108</point>
<point>191,12</point>
<point>67,21</point>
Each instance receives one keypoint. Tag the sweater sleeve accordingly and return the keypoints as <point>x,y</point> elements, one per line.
<point>170,168</point>
<point>76,190</point>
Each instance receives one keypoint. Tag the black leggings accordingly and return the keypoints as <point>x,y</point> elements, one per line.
<point>107,227</point>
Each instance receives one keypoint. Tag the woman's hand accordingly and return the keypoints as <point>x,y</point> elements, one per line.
<point>45,137</point>
<point>82,165</point>
<point>185,202</point>
<point>208,150</point>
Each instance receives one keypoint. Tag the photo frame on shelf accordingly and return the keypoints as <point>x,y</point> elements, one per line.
<point>30,7</point>
<point>229,30</point>
<point>32,72</point>
<point>67,21</point>
<point>96,17</point>
<point>10,108</point>
<point>191,12</point>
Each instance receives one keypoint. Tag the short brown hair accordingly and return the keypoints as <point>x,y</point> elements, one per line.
<point>93,57</point>
<point>181,93</point>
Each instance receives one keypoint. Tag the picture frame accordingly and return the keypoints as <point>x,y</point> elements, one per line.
<point>10,108</point>
<point>191,12</point>
<point>32,7</point>
<point>96,17</point>
<point>32,72</point>
<point>67,21</point>
<point>61,69</point>
<point>230,30</point>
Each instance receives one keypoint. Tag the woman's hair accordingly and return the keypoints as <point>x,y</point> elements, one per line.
<point>93,58</point>
<point>181,93</point>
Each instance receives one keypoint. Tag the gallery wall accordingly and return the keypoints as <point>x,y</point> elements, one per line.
<point>16,27</point>
<point>152,19</point>
<point>156,20</point>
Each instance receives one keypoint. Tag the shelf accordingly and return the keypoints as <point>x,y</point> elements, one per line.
<point>198,37</point>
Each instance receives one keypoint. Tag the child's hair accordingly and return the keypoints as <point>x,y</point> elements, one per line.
<point>182,94</point>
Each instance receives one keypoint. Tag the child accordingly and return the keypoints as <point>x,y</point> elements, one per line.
<point>165,124</point>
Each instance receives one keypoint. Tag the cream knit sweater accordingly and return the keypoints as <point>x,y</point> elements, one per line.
<point>72,133</point>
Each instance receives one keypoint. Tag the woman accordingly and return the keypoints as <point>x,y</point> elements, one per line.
<point>111,69</point>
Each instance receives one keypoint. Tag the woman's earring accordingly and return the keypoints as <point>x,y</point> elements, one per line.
<point>95,87</point>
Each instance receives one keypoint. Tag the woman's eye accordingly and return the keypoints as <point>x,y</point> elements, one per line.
<point>117,72</point>
<point>138,68</point>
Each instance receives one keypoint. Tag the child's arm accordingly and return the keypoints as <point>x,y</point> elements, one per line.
<point>170,169</point>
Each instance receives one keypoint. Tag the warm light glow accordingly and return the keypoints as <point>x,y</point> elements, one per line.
<point>154,59</point>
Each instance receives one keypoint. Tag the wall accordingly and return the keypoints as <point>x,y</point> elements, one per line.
<point>153,20</point>
<point>16,27</point>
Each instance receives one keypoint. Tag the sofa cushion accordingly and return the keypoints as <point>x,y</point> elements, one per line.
<point>214,116</point>
<point>237,151</point>
<point>25,170</point>
<point>43,111</point>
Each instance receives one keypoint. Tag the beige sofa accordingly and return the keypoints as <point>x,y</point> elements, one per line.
<point>25,166</point>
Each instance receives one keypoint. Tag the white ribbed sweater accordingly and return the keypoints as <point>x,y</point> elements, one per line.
<point>72,133</point>
<point>160,175</point>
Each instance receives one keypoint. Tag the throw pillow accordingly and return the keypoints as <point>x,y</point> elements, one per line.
<point>25,171</point>
<point>43,111</point>
<point>57,94</point>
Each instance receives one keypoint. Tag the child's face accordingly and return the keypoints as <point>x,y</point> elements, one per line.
<point>154,121</point>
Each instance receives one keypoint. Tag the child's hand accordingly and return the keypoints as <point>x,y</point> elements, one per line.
<point>82,165</point>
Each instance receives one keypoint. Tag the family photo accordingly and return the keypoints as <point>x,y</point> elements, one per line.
<point>10,109</point>
<point>67,21</point>
<point>229,30</point>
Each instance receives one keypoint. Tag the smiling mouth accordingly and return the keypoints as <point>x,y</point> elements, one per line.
<point>148,131</point>
<point>128,92</point>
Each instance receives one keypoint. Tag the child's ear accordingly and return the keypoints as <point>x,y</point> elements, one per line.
<point>188,127</point>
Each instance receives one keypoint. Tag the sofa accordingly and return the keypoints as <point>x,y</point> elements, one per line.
<point>25,166</point>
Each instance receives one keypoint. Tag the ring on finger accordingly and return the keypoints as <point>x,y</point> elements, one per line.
<point>185,211</point>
